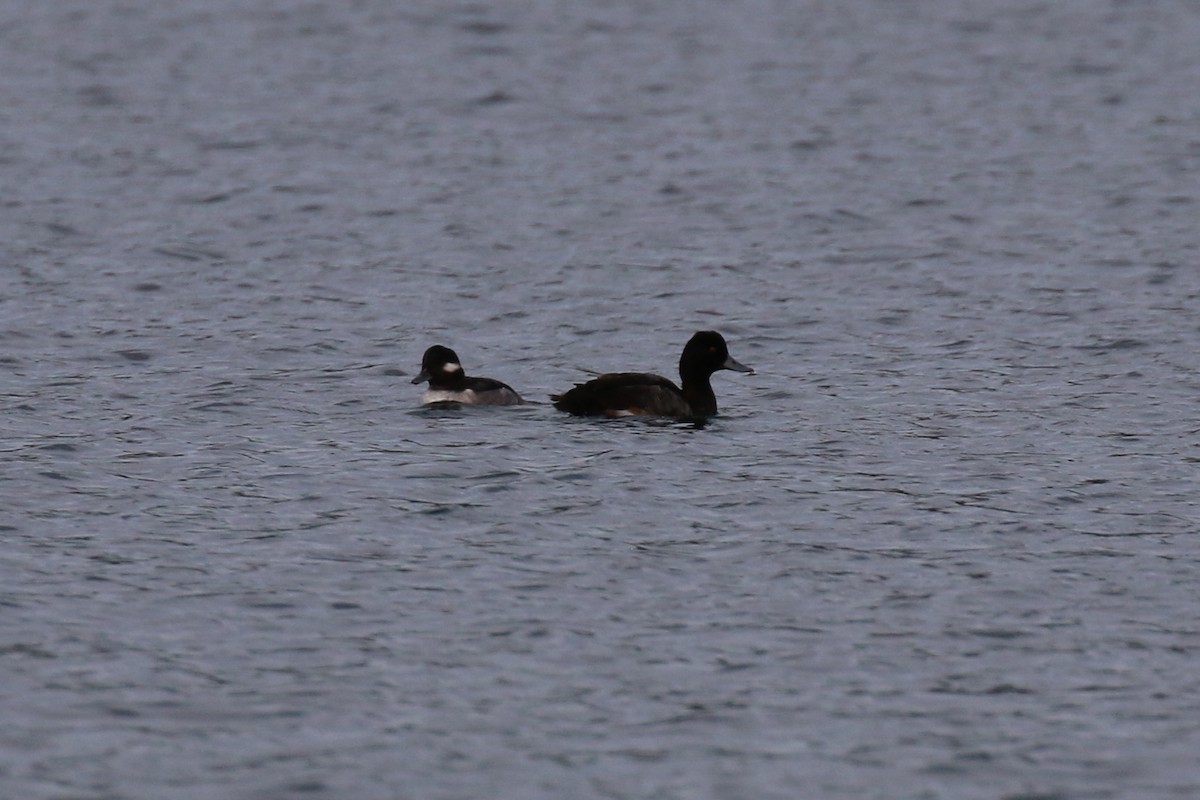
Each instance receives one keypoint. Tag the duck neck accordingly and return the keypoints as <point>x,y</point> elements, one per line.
<point>697,390</point>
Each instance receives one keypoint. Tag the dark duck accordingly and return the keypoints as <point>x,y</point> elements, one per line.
<point>622,394</point>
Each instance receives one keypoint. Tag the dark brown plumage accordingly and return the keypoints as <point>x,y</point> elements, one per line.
<point>622,394</point>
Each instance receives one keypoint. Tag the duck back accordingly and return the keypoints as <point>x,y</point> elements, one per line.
<point>623,394</point>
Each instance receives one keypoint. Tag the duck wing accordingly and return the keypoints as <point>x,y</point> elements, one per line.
<point>624,393</point>
<point>489,391</point>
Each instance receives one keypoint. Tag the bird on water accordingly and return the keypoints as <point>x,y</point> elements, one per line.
<point>622,394</point>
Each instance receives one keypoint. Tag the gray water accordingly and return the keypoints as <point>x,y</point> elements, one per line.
<point>942,545</point>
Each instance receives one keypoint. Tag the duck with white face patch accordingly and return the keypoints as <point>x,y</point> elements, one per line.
<point>448,382</point>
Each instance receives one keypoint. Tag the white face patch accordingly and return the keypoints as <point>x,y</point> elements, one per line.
<point>452,367</point>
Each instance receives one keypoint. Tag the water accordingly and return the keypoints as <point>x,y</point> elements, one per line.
<point>941,545</point>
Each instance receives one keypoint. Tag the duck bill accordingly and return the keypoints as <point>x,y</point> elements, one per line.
<point>422,376</point>
<point>737,366</point>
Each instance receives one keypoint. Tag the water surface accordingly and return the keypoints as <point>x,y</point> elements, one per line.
<point>941,545</point>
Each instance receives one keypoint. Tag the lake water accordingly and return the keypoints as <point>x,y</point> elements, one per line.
<point>944,544</point>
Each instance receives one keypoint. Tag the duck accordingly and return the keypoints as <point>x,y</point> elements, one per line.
<point>623,394</point>
<point>449,384</point>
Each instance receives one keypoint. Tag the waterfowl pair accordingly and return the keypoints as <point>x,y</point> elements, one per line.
<point>618,394</point>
